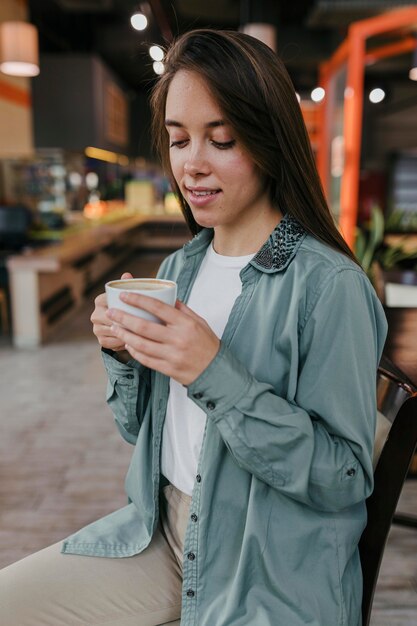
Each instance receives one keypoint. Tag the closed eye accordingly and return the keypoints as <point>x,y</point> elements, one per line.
<point>178,144</point>
<point>223,145</point>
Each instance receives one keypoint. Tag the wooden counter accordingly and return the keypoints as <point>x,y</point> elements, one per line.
<point>47,284</point>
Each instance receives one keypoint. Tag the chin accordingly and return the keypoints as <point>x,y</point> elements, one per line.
<point>205,221</point>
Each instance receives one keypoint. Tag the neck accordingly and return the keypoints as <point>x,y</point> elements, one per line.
<point>244,239</point>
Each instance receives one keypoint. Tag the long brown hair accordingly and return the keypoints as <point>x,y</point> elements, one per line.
<point>256,95</point>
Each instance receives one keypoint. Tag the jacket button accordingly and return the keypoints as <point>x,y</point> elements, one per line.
<point>129,376</point>
<point>194,517</point>
<point>190,593</point>
<point>351,472</point>
<point>198,478</point>
<point>191,556</point>
<point>210,405</point>
<point>198,395</point>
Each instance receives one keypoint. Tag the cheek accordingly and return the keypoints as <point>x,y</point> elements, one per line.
<point>176,165</point>
<point>242,172</point>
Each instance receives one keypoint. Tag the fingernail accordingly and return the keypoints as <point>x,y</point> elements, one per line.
<point>110,312</point>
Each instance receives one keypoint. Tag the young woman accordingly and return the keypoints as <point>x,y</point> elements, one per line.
<point>252,408</point>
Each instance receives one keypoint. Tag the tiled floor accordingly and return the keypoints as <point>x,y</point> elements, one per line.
<point>62,463</point>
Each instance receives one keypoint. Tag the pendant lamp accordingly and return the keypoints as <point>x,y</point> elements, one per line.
<point>412,74</point>
<point>19,54</point>
<point>267,33</point>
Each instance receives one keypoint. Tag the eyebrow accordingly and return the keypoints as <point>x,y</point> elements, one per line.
<point>213,124</point>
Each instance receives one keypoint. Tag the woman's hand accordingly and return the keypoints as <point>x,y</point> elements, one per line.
<point>102,324</point>
<point>181,349</point>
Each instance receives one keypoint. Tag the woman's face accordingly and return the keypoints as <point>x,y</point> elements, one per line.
<point>216,176</point>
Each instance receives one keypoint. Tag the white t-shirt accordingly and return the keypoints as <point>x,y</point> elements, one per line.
<point>213,294</point>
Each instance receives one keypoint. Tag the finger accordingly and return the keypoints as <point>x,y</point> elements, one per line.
<point>103,329</point>
<point>109,341</point>
<point>148,361</point>
<point>100,317</point>
<point>126,275</point>
<point>108,313</point>
<point>180,306</point>
<point>163,311</point>
<point>112,343</point>
<point>101,300</point>
<point>139,326</point>
<point>140,344</point>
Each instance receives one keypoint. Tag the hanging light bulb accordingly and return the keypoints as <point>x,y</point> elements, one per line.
<point>412,74</point>
<point>158,67</point>
<point>318,94</point>
<point>156,53</point>
<point>376,95</point>
<point>139,21</point>
<point>19,54</point>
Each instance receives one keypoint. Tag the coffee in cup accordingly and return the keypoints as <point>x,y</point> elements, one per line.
<point>163,290</point>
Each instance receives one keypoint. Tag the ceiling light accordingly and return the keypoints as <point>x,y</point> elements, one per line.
<point>19,55</point>
<point>412,74</point>
<point>156,53</point>
<point>139,21</point>
<point>75,179</point>
<point>318,94</point>
<point>158,67</point>
<point>104,155</point>
<point>376,95</point>
<point>91,180</point>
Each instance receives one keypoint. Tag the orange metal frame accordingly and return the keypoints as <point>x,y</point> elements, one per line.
<point>352,53</point>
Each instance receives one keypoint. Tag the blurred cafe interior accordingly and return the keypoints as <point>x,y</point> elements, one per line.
<point>83,198</point>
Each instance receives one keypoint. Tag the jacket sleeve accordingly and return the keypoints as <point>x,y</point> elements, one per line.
<point>127,394</point>
<point>316,449</point>
<point>128,391</point>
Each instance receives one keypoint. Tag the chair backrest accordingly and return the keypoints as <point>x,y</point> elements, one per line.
<point>397,406</point>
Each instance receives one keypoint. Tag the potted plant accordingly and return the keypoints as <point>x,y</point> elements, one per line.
<point>388,261</point>
<point>369,238</point>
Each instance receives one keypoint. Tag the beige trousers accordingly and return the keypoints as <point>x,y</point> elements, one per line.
<point>53,589</point>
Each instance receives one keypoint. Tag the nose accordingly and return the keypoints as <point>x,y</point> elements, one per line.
<point>196,163</point>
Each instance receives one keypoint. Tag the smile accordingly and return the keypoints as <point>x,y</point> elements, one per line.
<point>203,193</point>
<point>200,197</point>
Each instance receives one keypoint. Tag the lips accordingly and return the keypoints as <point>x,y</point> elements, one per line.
<point>201,196</point>
<point>202,191</point>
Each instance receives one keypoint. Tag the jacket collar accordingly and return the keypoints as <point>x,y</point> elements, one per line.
<point>276,253</point>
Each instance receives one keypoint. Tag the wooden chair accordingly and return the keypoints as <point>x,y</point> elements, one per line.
<point>397,404</point>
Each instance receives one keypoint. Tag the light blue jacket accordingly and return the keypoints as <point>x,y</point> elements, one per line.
<point>286,463</point>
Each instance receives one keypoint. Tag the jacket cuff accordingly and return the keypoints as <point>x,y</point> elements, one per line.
<point>220,386</point>
<point>116,367</point>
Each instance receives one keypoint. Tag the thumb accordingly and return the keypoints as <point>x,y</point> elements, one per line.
<point>126,275</point>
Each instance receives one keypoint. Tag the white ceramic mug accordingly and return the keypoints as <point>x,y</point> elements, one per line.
<point>163,290</point>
